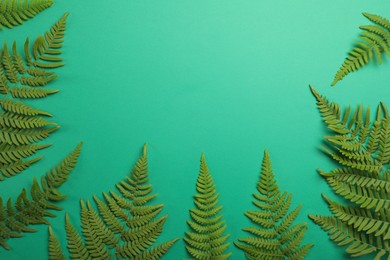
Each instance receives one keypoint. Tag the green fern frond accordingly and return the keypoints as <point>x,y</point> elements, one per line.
<point>374,39</point>
<point>55,252</point>
<point>15,12</point>
<point>16,218</point>
<point>128,226</point>
<point>364,154</point>
<point>20,124</point>
<point>273,237</point>
<point>207,239</point>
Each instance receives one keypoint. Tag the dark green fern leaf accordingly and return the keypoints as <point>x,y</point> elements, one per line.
<point>15,12</point>
<point>363,152</point>
<point>15,218</point>
<point>125,223</point>
<point>24,78</point>
<point>274,236</point>
<point>206,240</point>
<point>374,41</point>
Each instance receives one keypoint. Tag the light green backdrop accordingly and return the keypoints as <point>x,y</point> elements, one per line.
<point>227,78</point>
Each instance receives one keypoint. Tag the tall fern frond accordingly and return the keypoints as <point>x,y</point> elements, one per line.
<point>374,41</point>
<point>274,236</point>
<point>16,217</point>
<point>15,12</point>
<point>22,126</point>
<point>206,240</point>
<point>123,223</point>
<point>363,153</point>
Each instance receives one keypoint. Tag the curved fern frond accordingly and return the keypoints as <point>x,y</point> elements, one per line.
<point>364,155</point>
<point>20,124</point>
<point>274,236</point>
<point>15,12</point>
<point>374,41</point>
<point>15,218</point>
<point>207,239</point>
<point>128,226</point>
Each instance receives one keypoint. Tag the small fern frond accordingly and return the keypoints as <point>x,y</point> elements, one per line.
<point>16,218</point>
<point>374,39</point>
<point>207,239</point>
<point>364,154</point>
<point>15,12</point>
<point>273,237</point>
<point>55,252</point>
<point>127,226</point>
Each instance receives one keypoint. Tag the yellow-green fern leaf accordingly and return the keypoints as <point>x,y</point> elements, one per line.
<point>363,180</point>
<point>55,252</point>
<point>274,236</point>
<point>125,224</point>
<point>374,39</point>
<point>16,218</point>
<point>15,12</point>
<point>206,239</point>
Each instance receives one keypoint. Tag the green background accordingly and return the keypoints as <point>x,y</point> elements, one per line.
<point>227,78</point>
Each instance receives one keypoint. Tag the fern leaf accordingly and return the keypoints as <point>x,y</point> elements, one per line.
<point>16,218</point>
<point>55,252</point>
<point>273,237</point>
<point>15,12</point>
<point>128,226</point>
<point>206,240</point>
<point>22,125</point>
<point>374,39</point>
<point>364,153</point>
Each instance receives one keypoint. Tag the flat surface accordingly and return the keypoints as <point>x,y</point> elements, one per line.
<point>227,78</point>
